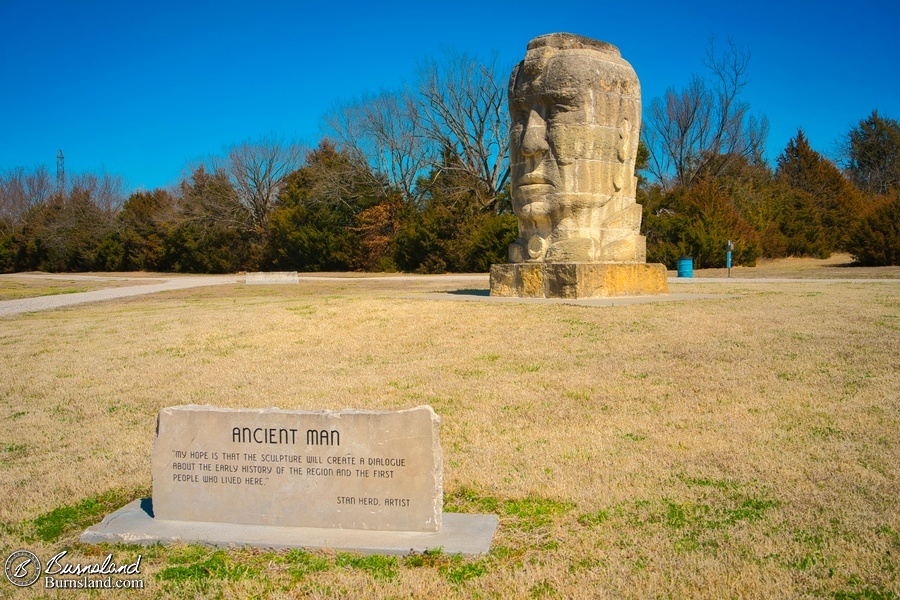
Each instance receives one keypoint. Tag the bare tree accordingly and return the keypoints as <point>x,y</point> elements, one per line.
<point>338,177</point>
<point>385,131</point>
<point>454,120</point>
<point>19,191</point>
<point>464,109</point>
<point>705,127</point>
<point>69,228</point>
<point>105,190</point>
<point>257,169</point>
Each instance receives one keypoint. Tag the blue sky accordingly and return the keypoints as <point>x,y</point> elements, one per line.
<point>141,89</point>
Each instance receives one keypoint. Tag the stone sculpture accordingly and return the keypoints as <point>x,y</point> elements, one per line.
<point>575,111</point>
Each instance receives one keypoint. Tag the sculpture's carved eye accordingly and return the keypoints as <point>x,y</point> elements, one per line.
<point>519,114</point>
<point>563,109</point>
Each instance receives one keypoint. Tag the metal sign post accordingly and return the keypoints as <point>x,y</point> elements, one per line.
<point>728,257</point>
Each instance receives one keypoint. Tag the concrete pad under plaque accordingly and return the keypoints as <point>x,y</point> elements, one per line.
<point>272,277</point>
<point>469,535</point>
<point>351,469</point>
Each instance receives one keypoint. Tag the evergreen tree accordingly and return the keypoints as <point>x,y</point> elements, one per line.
<point>837,202</point>
<point>314,225</point>
<point>872,154</point>
<point>143,225</point>
<point>453,230</point>
<point>62,234</point>
<point>698,222</point>
<point>785,217</point>
<point>211,233</point>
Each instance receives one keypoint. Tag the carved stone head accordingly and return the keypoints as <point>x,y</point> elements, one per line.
<point>575,112</point>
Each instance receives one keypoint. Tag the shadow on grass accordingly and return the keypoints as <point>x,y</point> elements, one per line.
<point>470,292</point>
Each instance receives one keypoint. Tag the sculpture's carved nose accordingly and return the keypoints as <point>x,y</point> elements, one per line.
<point>534,139</point>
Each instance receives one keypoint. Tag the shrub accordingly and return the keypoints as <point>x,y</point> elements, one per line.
<point>698,222</point>
<point>876,240</point>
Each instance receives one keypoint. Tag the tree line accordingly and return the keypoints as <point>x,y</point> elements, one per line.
<point>710,184</point>
<point>416,179</point>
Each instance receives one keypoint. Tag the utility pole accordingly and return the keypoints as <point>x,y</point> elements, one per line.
<point>60,174</point>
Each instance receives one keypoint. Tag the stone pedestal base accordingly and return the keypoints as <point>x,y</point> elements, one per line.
<point>578,280</point>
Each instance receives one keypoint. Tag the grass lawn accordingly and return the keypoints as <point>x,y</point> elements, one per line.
<point>31,285</point>
<point>739,447</point>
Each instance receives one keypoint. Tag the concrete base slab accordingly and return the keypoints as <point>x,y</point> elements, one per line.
<point>469,535</point>
<point>272,278</point>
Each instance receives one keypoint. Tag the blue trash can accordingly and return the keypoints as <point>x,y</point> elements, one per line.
<point>685,266</point>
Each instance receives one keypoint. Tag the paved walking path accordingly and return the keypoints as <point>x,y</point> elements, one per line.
<point>14,307</point>
<point>167,283</point>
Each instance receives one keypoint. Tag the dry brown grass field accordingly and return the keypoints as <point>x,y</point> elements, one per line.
<point>743,447</point>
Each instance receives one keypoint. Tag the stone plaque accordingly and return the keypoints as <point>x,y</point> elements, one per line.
<point>352,469</point>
